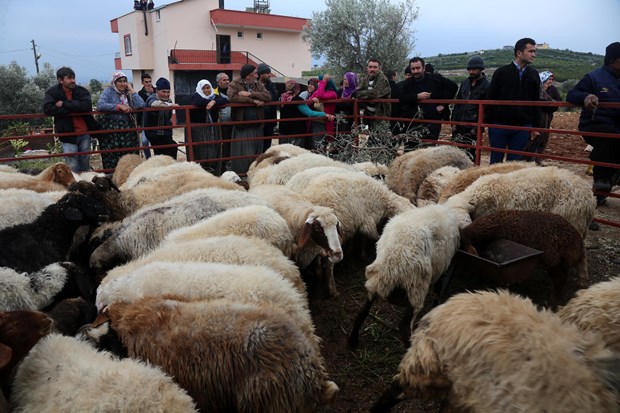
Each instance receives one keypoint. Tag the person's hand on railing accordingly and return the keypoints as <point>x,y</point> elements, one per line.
<point>245,93</point>
<point>590,102</point>
<point>210,104</point>
<point>258,102</point>
<point>123,108</point>
<point>330,117</point>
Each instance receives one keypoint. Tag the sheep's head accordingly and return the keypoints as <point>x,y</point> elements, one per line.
<point>83,209</point>
<point>323,227</point>
<point>61,174</point>
<point>19,332</point>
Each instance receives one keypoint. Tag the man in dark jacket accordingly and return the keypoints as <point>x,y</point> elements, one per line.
<point>63,100</point>
<point>160,99</point>
<point>264,76</point>
<point>375,85</point>
<point>472,88</point>
<point>146,91</point>
<point>515,81</point>
<point>420,87</point>
<point>601,85</point>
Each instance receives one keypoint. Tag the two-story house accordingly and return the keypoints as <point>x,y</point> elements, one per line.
<point>189,40</point>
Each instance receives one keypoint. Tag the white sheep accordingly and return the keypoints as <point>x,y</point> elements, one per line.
<point>275,154</point>
<point>373,169</point>
<point>416,247</point>
<point>144,169</point>
<point>431,187</point>
<point>251,221</point>
<point>300,180</point>
<point>495,352</point>
<point>63,374</point>
<point>228,356</point>
<point>409,170</point>
<point>282,172</point>
<point>230,249</point>
<point>467,176</point>
<point>198,281</point>
<point>22,206</point>
<point>316,228</point>
<point>597,309</point>
<point>144,230</point>
<point>23,291</point>
<point>360,202</point>
<point>548,189</point>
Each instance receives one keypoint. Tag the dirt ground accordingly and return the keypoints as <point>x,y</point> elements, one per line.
<point>365,373</point>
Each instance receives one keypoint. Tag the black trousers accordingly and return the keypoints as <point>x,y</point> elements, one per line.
<point>163,140</point>
<point>605,150</point>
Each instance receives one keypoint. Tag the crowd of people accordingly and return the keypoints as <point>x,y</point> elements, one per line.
<point>312,115</point>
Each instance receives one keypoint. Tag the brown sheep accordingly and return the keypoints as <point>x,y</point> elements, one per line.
<point>228,356</point>
<point>57,177</point>
<point>125,167</point>
<point>561,242</point>
<point>19,332</point>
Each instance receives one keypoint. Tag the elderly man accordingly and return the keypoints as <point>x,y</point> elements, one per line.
<point>157,137</point>
<point>223,80</point>
<point>63,100</point>
<point>246,89</point>
<point>601,85</point>
<point>375,85</point>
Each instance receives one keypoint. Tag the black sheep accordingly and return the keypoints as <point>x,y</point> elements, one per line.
<point>30,247</point>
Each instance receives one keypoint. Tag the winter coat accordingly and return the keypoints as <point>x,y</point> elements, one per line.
<point>258,91</point>
<point>437,85</point>
<point>468,112</point>
<point>63,123</point>
<point>380,90</point>
<point>603,83</point>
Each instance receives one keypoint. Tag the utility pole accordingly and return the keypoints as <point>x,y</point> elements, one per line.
<point>36,56</point>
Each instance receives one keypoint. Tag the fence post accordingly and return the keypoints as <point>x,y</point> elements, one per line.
<point>188,134</point>
<point>479,133</point>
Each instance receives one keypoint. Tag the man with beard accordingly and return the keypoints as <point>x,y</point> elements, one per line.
<point>420,87</point>
<point>514,81</point>
<point>472,88</point>
<point>375,85</point>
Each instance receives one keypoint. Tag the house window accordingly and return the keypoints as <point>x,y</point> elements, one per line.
<point>127,39</point>
<point>239,35</point>
<point>259,35</point>
<point>157,15</point>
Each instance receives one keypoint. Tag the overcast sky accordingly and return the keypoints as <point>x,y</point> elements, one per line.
<point>77,33</point>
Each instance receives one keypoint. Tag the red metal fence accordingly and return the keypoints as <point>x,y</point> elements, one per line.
<point>188,145</point>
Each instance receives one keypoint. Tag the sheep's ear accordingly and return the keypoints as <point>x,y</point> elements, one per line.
<point>339,231</point>
<point>306,232</point>
<point>102,317</point>
<point>5,355</point>
<point>72,214</point>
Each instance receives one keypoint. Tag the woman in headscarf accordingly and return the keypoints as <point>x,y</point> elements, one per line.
<point>119,100</point>
<point>349,91</point>
<point>203,119</point>
<point>539,144</point>
<point>326,90</point>
<point>292,111</point>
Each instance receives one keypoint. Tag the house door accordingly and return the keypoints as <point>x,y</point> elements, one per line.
<point>223,48</point>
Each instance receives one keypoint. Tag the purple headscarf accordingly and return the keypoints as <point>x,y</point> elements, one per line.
<point>352,80</point>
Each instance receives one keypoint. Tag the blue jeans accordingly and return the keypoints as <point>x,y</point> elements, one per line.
<point>78,163</point>
<point>145,142</point>
<point>507,139</point>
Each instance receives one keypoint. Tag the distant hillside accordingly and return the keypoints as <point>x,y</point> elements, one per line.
<point>565,64</point>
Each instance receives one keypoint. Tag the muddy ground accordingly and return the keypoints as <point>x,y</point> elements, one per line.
<point>363,374</point>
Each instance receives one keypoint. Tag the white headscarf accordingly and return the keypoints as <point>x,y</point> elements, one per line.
<point>199,87</point>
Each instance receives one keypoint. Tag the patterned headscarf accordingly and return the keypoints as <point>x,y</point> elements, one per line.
<point>122,95</point>
<point>352,80</point>
<point>202,84</point>
<point>544,76</point>
<point>292,90</point>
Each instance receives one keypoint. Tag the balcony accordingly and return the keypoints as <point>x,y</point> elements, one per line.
<point>187,59</point>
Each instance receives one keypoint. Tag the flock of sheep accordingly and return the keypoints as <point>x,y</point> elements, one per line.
<point>166,289</point>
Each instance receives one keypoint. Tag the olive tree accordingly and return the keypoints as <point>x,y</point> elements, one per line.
<point>349,32</point>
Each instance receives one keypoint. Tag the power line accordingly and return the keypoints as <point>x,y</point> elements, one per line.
<point>72,55</point>
<point>13,51</point>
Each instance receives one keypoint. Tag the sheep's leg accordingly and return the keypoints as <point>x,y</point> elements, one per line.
<point>390,398</point>
<point>354,337</point>
<point>328,277</point>
<point>582,272</point>
<point>405,327</point>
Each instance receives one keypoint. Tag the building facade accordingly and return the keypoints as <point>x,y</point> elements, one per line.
<point>191,40</point>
